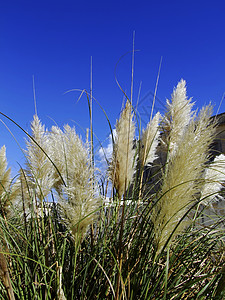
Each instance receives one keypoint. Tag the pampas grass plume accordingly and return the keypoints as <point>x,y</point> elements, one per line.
<point>178,116</point>
<point>149,141</point>
<point>78,198</point>
<point>183,171</point>
<point>122,166</point>
<point>5,181</point>
<point>39,167</point>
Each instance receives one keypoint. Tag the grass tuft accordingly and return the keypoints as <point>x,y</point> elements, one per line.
<point>153,239</point>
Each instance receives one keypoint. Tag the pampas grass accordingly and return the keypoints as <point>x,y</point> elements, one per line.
<point>5,182</point>
<point>5,202</point>
<point>178,116</point>
<point>78,196</point>
<point>121,169</point>
<point>188,152</point>
<point>62,242</point>
<point>149,141</point>
<point>39,168</point>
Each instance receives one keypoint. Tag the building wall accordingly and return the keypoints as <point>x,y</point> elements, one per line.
<point>217,210</point>
<point>219,145</point>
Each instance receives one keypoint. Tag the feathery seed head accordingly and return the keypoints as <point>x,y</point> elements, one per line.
<point>5,181</point>
<point>39,167</point>
<point>122,166</point>
<point>149,141</point>
<point>78,198</point>
<point>184,168</point>
<point>179,114</point>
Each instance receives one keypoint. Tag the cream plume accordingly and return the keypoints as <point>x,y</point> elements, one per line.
<point>122,166</point>
<point>149,141</point>
<point>39,167</point>
<point>5,181</point>
<point>178,116</point>
<point>72,159</point>
<point>182,175</point>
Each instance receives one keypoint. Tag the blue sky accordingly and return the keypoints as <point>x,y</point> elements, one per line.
<point>54,41</point>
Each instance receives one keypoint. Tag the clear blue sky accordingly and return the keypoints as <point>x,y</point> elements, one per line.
<point>54,41</point>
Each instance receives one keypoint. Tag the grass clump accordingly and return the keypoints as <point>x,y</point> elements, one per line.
<point>63,238</point>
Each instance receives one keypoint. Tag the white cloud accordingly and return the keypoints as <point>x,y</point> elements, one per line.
<point>105,153</point>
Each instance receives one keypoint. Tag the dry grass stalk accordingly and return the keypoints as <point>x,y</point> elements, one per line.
<point>4,276</point>
<point>5,183</point>
<point>122,165</point>
<point>60,292</point>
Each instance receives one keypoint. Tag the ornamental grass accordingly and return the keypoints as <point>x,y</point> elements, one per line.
<point>139,231</point>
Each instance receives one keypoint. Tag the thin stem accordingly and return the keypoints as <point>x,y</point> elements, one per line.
<point>156,86</point>
<point>132,71</point>
<point>34,93</point>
